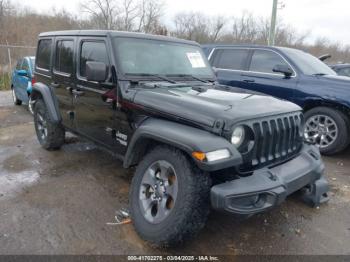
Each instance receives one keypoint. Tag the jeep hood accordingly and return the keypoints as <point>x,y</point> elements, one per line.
<point>208,106</point>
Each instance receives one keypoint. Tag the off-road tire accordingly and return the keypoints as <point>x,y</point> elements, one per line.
<point>55,131</point>
<point>191,209</point>
<point>342,122</point>
<point>16,101</point>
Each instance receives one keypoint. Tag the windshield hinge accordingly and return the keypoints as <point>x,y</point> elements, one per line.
<point>218,126</point>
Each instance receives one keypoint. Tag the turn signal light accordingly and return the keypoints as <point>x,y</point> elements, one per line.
<point>199,155</point>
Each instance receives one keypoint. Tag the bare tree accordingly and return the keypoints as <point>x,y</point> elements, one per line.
<point>217,24</point>
<point>102,12</point>
<point>128,15</point>
<point>150,12</point>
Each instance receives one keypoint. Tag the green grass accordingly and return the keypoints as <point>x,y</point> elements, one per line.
<point>5,82</point>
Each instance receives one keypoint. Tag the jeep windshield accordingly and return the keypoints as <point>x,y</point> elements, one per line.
<point>146,58</point>
<point>307,63</point>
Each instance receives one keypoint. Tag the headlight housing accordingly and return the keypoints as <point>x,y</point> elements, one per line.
<point>238,136</point>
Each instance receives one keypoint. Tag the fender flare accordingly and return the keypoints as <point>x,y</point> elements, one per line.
<point>321,101</point>
<point>183,137</point>
<point>42,90</point>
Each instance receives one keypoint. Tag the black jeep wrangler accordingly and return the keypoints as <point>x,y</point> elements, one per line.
<point>154,103</point>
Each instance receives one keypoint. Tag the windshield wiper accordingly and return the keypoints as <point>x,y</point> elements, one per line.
<point>153,75</point>
<point>189,75</point>
<point>319,74</point>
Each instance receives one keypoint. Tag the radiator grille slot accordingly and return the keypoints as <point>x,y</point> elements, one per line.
<point>276,139</point>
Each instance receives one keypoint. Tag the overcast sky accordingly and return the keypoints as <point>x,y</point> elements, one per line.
<point>328,18</point>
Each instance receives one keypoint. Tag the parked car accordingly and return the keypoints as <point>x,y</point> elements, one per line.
<point>22,81</point>
<point>293,75</point>
<point>154,102</point>
<point>341,69</point>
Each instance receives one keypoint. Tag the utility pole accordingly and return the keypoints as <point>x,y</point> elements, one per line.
<point>273,23</point>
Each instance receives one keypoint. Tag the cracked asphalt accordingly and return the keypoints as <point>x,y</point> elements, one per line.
<point>60,202</point>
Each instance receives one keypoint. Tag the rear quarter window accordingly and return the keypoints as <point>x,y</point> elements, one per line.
<point>44,54</point>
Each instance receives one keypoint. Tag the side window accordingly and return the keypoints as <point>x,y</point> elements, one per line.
<point>64,56</point>
<point>18,65</point>
<point>25,65</point>
<point>264,61</point>
<point>92,51</point>
<point>44,53</point>
<point>344,71</point>
<point>234,59</point>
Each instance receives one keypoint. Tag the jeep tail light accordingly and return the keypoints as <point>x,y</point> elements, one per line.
<point>33,81</point>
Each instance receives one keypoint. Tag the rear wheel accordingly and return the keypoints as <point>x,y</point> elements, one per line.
<point>169,197</point>
<point>50,135</point>
<point>16,101</point>
<point>328,128</point>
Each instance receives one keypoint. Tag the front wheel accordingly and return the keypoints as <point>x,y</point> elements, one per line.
<point>16,101</point>
<point>50,135</point>
<point>30,106</point>
<point>328,128</point>
<point>169,197</point>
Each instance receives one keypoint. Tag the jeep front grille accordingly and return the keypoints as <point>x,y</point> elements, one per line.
<point>275,139</point>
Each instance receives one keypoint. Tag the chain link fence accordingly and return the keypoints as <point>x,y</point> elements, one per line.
<point>9,54</point>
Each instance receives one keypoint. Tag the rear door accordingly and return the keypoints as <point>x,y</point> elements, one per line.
<point>95,103</point>
<point>229,64</point>
<point>261,78</point>
<point>63,77</point>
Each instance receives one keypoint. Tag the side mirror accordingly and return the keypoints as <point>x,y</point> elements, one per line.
<point>284,69</point>
<point>96,71</point>
<point>22,73</point>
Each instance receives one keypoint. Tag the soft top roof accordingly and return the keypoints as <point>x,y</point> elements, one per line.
<point>112,33</point>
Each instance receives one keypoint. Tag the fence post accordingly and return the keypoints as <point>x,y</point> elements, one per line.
<point>9,55</point>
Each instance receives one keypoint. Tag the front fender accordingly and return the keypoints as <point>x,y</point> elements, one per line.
<point>183,137</point>
<point>45,92</point>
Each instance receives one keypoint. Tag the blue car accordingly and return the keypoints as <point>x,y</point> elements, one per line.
<point>22,81</point>
<point>341,69</point>
<point>292,75</point>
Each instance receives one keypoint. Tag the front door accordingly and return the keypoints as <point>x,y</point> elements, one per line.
<point>261,78</point>
<point>95,103</point>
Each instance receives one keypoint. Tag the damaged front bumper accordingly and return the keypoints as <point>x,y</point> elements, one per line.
<point>268,187</point>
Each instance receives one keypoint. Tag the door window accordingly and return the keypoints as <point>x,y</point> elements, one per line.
<point>92,51</point>
<point>264,61</point>
<point>64,56</point>
<point>234,59</point>
<point>44,53</point>
<point>344,71</point>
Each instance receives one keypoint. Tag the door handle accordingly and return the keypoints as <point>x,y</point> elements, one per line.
<point>248,80</point>
<point>77,92</point>
<point>55,84</point>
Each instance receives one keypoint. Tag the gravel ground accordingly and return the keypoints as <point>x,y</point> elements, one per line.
<point>59,203</point>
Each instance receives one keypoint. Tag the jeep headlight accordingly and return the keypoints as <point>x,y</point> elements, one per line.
<point>238,136</point>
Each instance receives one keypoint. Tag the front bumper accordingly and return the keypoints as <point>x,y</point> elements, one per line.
<point>268,187</point>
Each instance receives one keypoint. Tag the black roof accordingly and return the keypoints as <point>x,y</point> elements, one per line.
<point>113,33</point>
